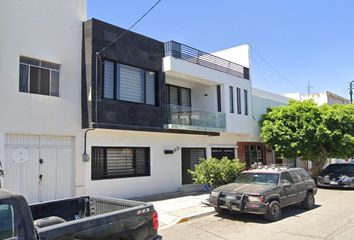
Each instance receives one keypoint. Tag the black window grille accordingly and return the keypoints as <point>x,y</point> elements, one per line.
<point>119,162</point>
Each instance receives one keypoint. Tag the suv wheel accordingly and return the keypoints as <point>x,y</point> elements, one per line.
<point>273,212</point>
<point>221,211</point>
<point>309,201</point>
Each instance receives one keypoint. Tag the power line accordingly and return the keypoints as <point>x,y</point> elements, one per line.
<point>274,69</point>
<point>262,74</point>
<point>127,30</point>
<point>98,57</point>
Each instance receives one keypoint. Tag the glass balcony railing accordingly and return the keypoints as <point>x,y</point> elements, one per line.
<point>187,118</point>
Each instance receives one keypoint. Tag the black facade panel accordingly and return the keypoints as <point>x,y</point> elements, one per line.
<point>131,49</point>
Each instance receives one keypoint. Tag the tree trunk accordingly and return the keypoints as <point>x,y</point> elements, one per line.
<point>319,163</point>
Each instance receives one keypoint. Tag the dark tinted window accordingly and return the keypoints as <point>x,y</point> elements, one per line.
<point>34,83</point>
<point>127,83</point>
<point>304,175</point>
<point>231,95</point>
<point>24,72</point>
<point>285,177</point>
<point>246,101</point>
<point>39,77</point>
<point>44,82</point>
<point>7,222</point>
<point>238,96</point>
<point>218,97</point>
<point>295,176</point>
<point>347,169</point>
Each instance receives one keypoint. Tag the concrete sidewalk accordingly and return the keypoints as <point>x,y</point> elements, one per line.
<point>177,207</point>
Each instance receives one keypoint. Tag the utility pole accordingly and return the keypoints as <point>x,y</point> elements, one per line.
<point>351,91</point>
<point>309,87</point>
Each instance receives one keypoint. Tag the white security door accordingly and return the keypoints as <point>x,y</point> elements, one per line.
<point>39,167</point>
<point>47,174</point>
<point>21,174</point>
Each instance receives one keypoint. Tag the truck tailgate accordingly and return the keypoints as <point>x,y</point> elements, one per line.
<point>96,218</point>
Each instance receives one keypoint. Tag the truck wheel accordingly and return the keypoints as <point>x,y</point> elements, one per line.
<point>221,211</point>
<point>309,201</point>
<point>273,212</point>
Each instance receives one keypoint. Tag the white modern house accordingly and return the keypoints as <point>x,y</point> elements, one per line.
<point>40,102</point>
<point>154,109</point>
<point>149,112</point>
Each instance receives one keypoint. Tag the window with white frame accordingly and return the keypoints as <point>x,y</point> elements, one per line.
<point>127,83</point>
<point>39,77</point>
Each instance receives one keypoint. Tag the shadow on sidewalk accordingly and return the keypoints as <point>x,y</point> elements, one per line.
<point>166,196</point>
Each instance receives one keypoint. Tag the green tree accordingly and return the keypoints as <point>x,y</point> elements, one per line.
<point>313,133</point>
<point>216,172</point>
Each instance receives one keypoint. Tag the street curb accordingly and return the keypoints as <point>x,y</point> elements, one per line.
<point>186,219</point>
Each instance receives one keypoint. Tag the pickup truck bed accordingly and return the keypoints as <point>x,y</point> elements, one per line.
<point>92,218</point>
<point>86,217</point>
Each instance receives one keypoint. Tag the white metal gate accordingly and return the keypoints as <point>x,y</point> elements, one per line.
<point>38,167</point>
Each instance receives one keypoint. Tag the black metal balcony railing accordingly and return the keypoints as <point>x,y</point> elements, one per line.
<point>196,56</point>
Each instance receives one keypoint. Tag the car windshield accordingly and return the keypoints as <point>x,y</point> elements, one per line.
<point>259,178</point>
<point>347,169</point>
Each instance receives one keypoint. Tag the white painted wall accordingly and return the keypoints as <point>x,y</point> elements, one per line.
<point>319,98</point>
<point>204,80</point>
<point>239,54</point>
<point>166,173</point>
<point>262,100</point>
<point>46,30</point>
<point>203,95</point>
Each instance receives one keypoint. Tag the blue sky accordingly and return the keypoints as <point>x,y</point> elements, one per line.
<point>294,41</point>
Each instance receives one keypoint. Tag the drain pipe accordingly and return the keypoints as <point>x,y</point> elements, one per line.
<point>85,156</point>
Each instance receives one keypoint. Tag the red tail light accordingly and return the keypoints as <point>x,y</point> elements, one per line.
<point>155,221</point>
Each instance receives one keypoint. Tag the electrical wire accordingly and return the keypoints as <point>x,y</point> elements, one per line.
<point>127,30</point>
<point>274,69</point>
<point>257,67</point>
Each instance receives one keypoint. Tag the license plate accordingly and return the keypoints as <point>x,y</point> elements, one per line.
<point>333,183</point>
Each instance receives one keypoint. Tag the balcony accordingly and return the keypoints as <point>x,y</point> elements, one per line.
<point>186,118</point>
<point>184,52</point>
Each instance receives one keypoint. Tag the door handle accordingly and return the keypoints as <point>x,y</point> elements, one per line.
<point>40,177</point>
<point>41,161</point>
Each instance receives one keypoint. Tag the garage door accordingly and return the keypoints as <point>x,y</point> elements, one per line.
<point>38,167</point>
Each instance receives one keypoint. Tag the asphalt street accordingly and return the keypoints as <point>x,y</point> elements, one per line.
<point>332,218</point>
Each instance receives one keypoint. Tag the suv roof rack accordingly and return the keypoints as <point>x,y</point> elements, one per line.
<point>270,166</point>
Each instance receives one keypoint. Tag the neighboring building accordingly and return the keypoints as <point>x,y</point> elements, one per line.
<point>148,114</point>
<point>254,151</point>
<point>40,102</point>
<point>319,98</point>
